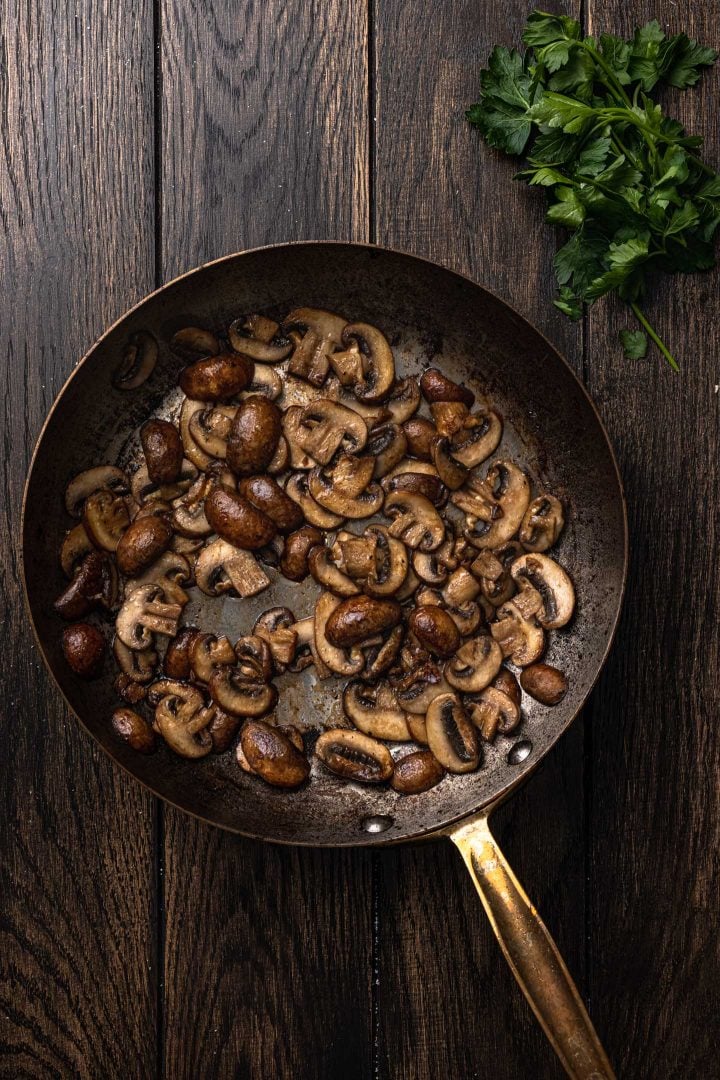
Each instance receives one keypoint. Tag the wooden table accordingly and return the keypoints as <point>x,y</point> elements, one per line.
<point>138,140</point>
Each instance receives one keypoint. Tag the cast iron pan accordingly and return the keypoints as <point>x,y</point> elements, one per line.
<point>432,316</point>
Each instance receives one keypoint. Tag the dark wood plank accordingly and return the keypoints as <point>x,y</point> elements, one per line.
<point>268,950</point>
<point>448,1004</point>
<point>77,992</point>
<point>654,799</point>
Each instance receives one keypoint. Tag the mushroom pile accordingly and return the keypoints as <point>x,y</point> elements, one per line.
<point>289,437</point>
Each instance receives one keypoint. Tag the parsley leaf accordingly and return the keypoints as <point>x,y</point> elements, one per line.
<point>506,94</point>
<point>634,343</point>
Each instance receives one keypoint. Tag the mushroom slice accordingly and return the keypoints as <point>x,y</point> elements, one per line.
<point>475,664</point>
<point>321,335</point>
<point>355,756</point>
<point>240,696</point>
<point>350,475</point>
<point>460,588</point>
<point>325,426</point>
<point>75,546</point>
<point>542,524</point>
<point>338,661</point>
<point>498,503</point>
<point>433,567</point>
<point>492,570</point>
<point>170,572</point>
<point>192,342</point>
<point>208,653</point>
<point>183,725</point>
<point>378,367</point>
<point>254,658</point>
<point>380,654</point>
<point>85,484</point>
<point>164,688</point>
<point>493,712</point>
<point>477,439</point>
<point>519,638</point>
<point>221,567</point>
<point>105,518</point>
<point>332,496</point>
<point>390,563</point>
<point>249,335</point>
<point>193,452</point>
<point>328,575</point>
<point>265,381</point>
<point>137,664</point>
<point>449,417</point>
<point>403,400</point>
<point>95,582</point>
<point>280,460</point>
<point>355,555</point>
<point>139,358</point>
<point>145,613</point>
<point>291,421</point>
<point>276,626</point>
<point>542,575</point>
<point>451,736</point>
<point>374,711</point>
<point>415,520</point>
<point>417,478</point>
<point>210,427</point>
<point>298,490</point>
<point>386,444</point>
<point>419,687</point>
<point>371,414</point>
<point>348,365</point>
<point>452,473</point>
<point>408,587</point>
<point>144,489</point>
<point>188,515</point>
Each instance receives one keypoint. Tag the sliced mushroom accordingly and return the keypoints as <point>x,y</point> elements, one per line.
<point>95,582</point>
<point>333,495</point>
<point>437,387</point>
<point>145,613</point>
<point>451,736</point>
<point>222,729</point>
<point>217,378</point>
<point>433,567</point>
<point>417,728</point>
<point>188,511</point>
<point>239,696</point>
<point>85,484</point>
<point>144,489</point>
<point>358,618</point>
<point>403,400</point>
<point>266,495</point>
<point>297,487</point>
<point>475,664</point>
<point>176,663</point>
<point>375,711</point>
<point>137,664</point>
<point>236,520</point>
<point>142,543</point>
<point>349,475</point>
<point>105,518</point>
<point>276,626</point>
<point>461,587</point>
<point>221,567</point>
<point>325,426</point>
<point>420,434</point>
<point>435,630</point>
<point>355,555</point>
<point>495,506</point>
<point>380,653</point>
<point>390,563</point>
<point>292,420</point>
<point>386,444</point>
<point>417,478</point>
<point>249,335</point>
<point>208,653</point>
<point>265,381</point>
<point>193,341</point>
<point>378,368</point>
<point>449,417</point>
<point>519,638</point>
<point>542,524</point>
<point>254,436</point>
<point>348,365</point>
<point>210,428</point>
<point>414,520</point>
<point>542,575</point>
<point>193,452</point>
<point>408,587</point>
<point>492,570</point>
<point>254,657</point>
<point>415,690</point>
<point>452,473</point>
<point>493,712</point>
<point>321,335</point>
<point>75,546</point>
<point>328,575</point>
<point>335,658</point>
<point>163,450</point>
<point>183,725</point>
<point>477,439</point>
<point>271,755</point>
<point>355,756</point>
<point>170,572</point>
<point>138,361</point>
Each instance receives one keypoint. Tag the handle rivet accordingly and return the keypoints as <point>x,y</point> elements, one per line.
<point>519,752</point>
<point>376,823</point>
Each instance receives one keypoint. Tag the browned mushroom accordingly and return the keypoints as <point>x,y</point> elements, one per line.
<point>451,736</point>
<point>386,444</point>
<point>545,683</point>
<point>144,613</point>
<point>83,647</point>
<point>360,617</point>
<point>192,342</point>
<point>217,378</point>
<point>542,524</point>
<point>85,484</point>
<point>375,711</point>
<point>355,756</point>
<point>420,433</point>
<point>142,543</point>
<point>276,626</point>
<point>377,373</point>
<point>138,361</point>
<point>207,653</point>
<point>134,730</point>
<point>266,495</point>
<point>105,518</point>
<point>324,426</point>
<point>475,664</point>
<point>492,569</point>
<point>321,335</point>
<point>236,520</point>
<point>271,755</point>
<point>176,664</point>
<point>417,772</point>
<point>183,724</point>
<point>344,491</point>
<point>222,567</point>
<point>414,520</point>
<point>495,506</point>
<point>452,473</point>
<point>403,400</point>
<point>541,577</point>
<point>294,561</point>
<point>95,582</point>
<point>254,436</point>
<point>437,387</point>
<point>163,450</point>
<point>519,637</point>
<point>477,438</point>
<point>256,336</point>
<point>328,575</point>
<point>239,696</point>
<point>493,712</point>
<point>335,659</point>
<point>435,630</point>
<point>170,572</point>
<point>297,487</point>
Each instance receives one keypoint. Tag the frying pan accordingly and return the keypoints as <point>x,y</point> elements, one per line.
<point>551,428</point>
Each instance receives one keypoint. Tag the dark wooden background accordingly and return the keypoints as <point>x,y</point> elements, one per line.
<point>139,139</point>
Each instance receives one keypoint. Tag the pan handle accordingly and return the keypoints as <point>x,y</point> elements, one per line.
<point>532,954</point>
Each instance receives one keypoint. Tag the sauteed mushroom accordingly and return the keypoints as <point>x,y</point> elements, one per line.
<point>475,664</point>
<point>435,630</point>
<point>210,428</point>
<point>85,484</point>
<point>437,387</point>
<point>134,730</point>
<point>207,653</point>
<point>137,664</point>
<point>276,626</point>
<point>272,755</point>
<point>377,373</point>
<point>253,336</point>
<point>183,725</point>
<point>145,613</point>
<point>139,358</point>
<point>543,576</point>
<point>420,434</point>
<point>170,572</point>
<point>414,520</point>
<point>321,335</point>
<point>545,683</point>
<point>298,545</point>
<point>403,400</point>
<point>360,617</point>
<point>477,438</point>
<point>334,657</point>
<point>236,520</point>
<point>217,378</point>
<point>105,518</point>
<point>374,711</point>
<point>333,495</point>
<point>493,712</point>
<point>519,638</point>
<point>417,772</point>
<point>266,495</point>
<point>142,543</point>
<point>193,341</point>
<point>297,487</point>
<point>451,736</point>
<point>495,506</point>
<point>390,563</point>
<point>328,575</point>
<point>542,523</point>
<point>95,582</point>
<point>75,546</point>
<point>254,436</point>
<point>144,489</point>
<point>355,756</point>
<point>163,450</point>
<point>176,664</point>
<point>240,696</point>
<point>221,567</point>
<point>83,647</point>
<point>387,444</point>
<point>324,426</point>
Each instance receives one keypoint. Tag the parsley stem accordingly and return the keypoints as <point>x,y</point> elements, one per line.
<point>616,86</point>
<point>654,337</point>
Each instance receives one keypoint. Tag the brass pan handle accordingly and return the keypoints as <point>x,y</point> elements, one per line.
<point>532,954</point>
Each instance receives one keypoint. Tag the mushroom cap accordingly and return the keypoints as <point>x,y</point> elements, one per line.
<point>239,696</point>
<point>451,737</point>
<point>335,658</point>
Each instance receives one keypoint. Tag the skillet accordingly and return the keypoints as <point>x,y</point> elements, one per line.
<point>432,316</point>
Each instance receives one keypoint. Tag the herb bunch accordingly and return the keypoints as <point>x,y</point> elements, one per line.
<point>622,177</point>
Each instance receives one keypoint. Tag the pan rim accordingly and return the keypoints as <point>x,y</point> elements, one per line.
<point>364,839</point>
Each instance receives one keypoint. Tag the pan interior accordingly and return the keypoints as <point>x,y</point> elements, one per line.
<point>431,316</point>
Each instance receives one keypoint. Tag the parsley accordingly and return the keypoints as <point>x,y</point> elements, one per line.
<point>621,177</point>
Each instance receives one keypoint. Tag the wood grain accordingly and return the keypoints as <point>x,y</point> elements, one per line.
<point>268,950</point>
<point>77,991</point>
<point>654,797</point>
<point>448,1005</point>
